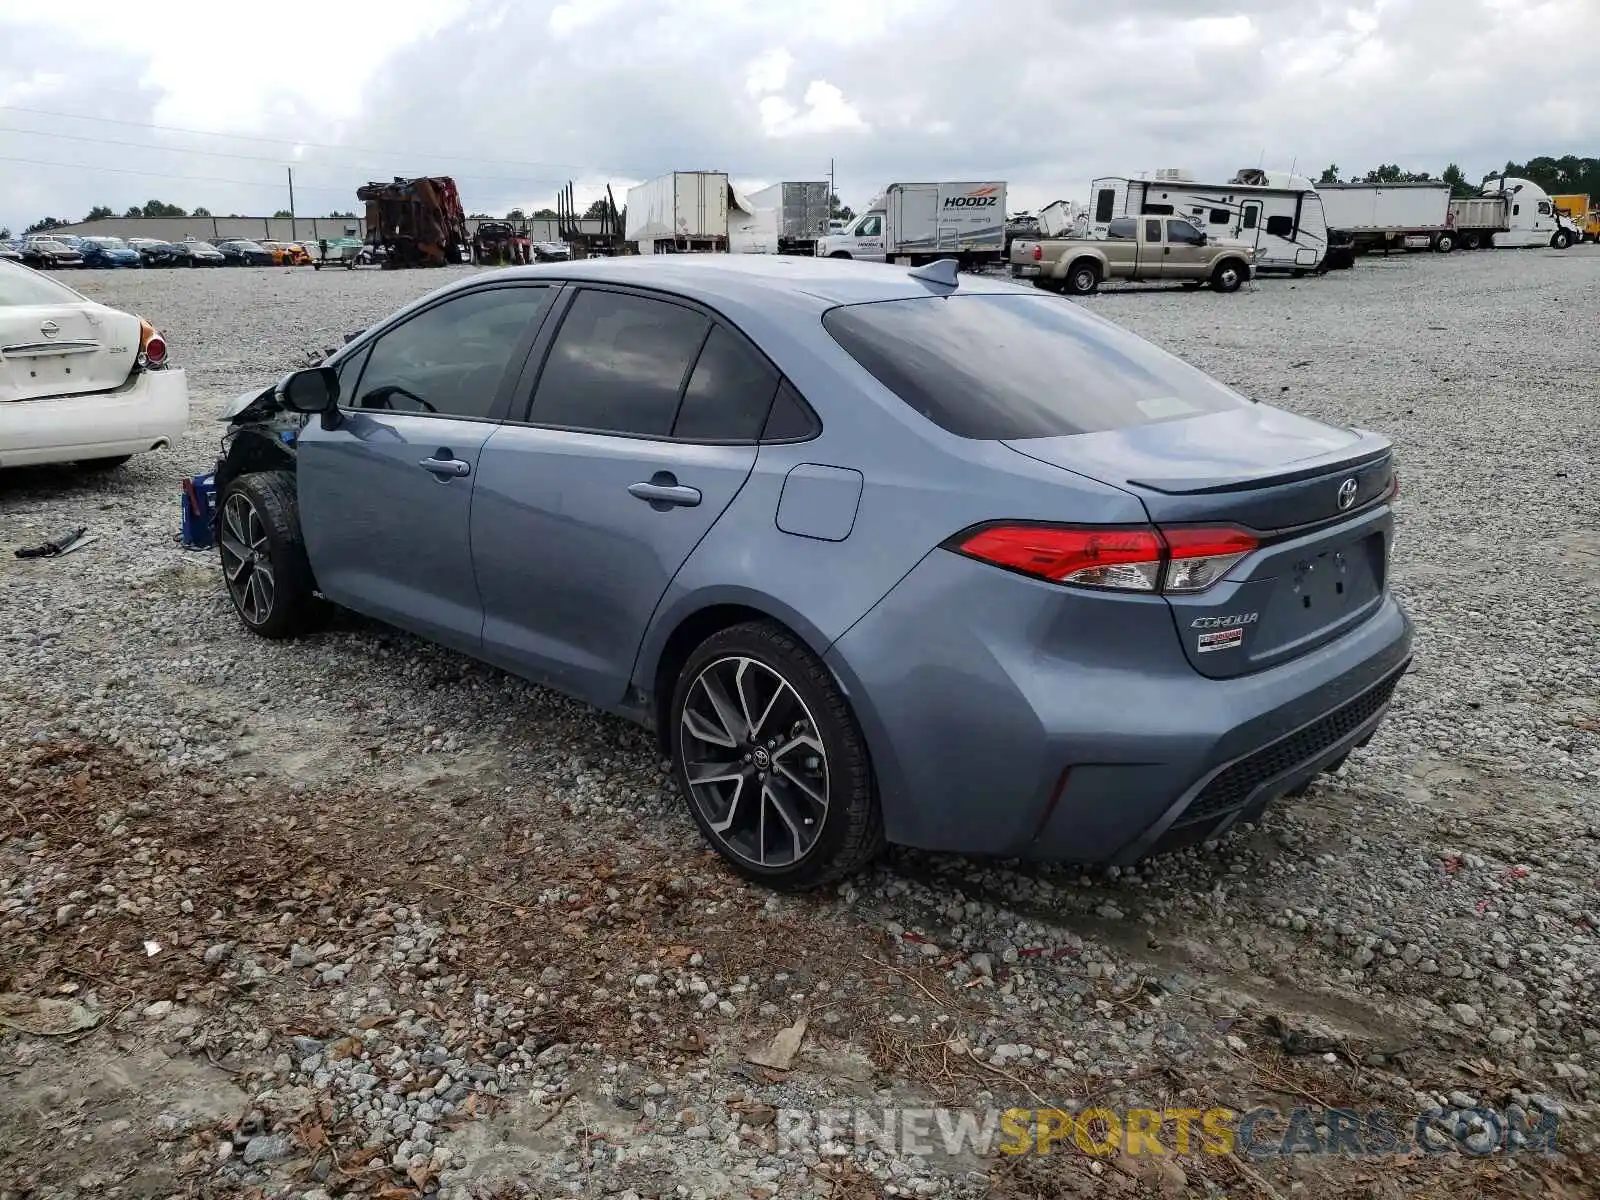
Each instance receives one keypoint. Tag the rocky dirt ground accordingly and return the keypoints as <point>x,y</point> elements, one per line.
<point>357,916</point>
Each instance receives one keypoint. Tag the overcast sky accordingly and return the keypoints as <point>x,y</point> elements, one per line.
<point>206,104</point>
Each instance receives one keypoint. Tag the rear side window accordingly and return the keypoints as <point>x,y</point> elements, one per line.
<point>993,367</point>
<point>729,394</point>
<point>1219,216</point>
<point>618,365</point>
<point>20,286</point>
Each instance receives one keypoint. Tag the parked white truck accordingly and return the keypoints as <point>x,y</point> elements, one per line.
<point>1422,216</point>
<point>679,212</point>
<point>786,218</point>
<point>916,223</point>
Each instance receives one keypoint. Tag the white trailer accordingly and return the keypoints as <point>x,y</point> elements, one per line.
<point>1390,216</point>
<point>1279,214</point>
<point>786,218</point>
<point>1512,213</point>
<point>679,212</point>
<point>916,223</point>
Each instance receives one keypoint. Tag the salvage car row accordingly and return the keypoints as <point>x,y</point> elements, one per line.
<point>46,252</point>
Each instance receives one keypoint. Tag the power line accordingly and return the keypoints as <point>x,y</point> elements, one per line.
<point>254,183</point>
<point>73,137</point>
<point>252,137</point>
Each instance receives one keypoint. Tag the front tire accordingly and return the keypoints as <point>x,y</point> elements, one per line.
<point>1446,242</point>
<point>1561,240</point>
<point>771,761</point>
<point>264,564</point>
<point>1228,277</point>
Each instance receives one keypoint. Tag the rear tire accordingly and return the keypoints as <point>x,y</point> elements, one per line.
<point>1083,278</point>
<point>264,564</point>
<point>103,464</point>
<point>755,799</point>
<point>1228,277</point>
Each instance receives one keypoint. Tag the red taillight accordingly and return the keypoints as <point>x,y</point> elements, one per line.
<point>1038,253</point>
<point>1136,559</point>
<point>1394,485</point>
<point>152,346</point>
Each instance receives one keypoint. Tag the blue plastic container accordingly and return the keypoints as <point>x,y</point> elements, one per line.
<point>200,512</point>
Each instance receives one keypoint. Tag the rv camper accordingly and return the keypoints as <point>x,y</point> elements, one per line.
<point>1279,214</point>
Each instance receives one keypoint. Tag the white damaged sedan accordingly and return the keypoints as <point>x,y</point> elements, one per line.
<point>80,382</point>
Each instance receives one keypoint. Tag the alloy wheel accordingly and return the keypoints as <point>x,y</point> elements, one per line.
<point>246,560</point>
<point>756,768</point>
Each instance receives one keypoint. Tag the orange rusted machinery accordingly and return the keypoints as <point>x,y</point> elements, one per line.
<point>417,222</point>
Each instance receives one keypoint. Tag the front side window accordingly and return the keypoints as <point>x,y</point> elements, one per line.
<point>618,365</point>
<point>1544,208</point>
<point>1183,233</point>
<point>870,227</point>
<point>451,359</point>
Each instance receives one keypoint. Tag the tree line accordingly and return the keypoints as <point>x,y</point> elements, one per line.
<point>1567,175</point>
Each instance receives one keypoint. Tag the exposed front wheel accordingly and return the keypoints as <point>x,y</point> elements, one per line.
<point>840,254</point>
<point>1561,240</point>
<point>1227,277</point>
<point>1445,243</point>
<point>771,761</point>
<point>263,555</point>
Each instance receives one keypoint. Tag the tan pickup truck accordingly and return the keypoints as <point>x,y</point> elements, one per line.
<point>1134,248</point>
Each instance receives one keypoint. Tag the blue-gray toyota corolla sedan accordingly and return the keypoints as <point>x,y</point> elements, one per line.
<point>884,555</point>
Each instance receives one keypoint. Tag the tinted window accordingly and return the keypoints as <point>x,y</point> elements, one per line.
<point>1280,226</point>
<point>451,359</point>
<point>790,418</point>
<point>729,393</point>
<point>871,227</point>
<point>1158,210</point>
<point>1251,213</point>
<point>1123,228</point>
<point>1183,233</point>
<point>350,375</point>
<point>1152,231</point>
<point>1020,367</point>
<point>618,364</point>
<point>1219,216</point>
<point>1105,202</point>
<point>1544,208</point>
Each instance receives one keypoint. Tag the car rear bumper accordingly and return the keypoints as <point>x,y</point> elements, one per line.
<point>150,411</point>
<point>1013,718</point>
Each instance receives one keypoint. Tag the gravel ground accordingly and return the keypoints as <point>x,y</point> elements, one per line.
<point>359,916</point>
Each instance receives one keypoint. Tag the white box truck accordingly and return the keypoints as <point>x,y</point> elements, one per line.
<point>916,223</point>
<point>680,212</point>
<point>786,218</point>
<point>1389,216</point>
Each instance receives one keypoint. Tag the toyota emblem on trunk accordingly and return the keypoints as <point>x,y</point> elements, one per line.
<point>49,329</point>
<point>1347,494</point>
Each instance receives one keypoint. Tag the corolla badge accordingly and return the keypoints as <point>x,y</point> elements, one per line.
<point>1347,493</point>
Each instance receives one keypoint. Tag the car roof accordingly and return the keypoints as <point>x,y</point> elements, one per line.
<point>741,279</point>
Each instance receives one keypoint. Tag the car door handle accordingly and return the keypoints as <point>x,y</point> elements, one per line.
<point>663,491</point>
<point>445,467</point>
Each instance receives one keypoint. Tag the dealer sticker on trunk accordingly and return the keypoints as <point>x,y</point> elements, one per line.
<point>1220,639</point>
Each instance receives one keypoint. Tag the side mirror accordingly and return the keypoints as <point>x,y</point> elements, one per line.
<point>1203,239</point>
<point>314,390</point>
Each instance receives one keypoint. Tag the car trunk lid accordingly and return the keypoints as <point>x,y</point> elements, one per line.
<point>1313,495</point>
<point>64,350</point>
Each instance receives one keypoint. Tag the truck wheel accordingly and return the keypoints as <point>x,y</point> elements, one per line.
<point>1445,243</point>
<point>1227,277</point>
<point>1561,241</point>
<point>1046,284</point>
<point>1469,241</point>
<point>264,564</point>
<point>840,254</point>
<point>1084,278</point>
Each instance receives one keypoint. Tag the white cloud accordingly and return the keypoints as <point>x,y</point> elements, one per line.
<point>516,99</point>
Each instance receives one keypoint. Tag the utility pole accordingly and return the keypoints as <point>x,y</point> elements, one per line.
<point>294,233</point>
<point>833,193</point>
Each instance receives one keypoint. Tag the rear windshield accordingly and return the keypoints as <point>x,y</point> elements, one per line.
<point>20,286</point>
<point>1016,366</point>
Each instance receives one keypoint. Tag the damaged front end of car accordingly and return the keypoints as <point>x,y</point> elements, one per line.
<point>262,430</point>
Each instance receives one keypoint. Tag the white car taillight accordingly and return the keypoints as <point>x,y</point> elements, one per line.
<point>152,347</point>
